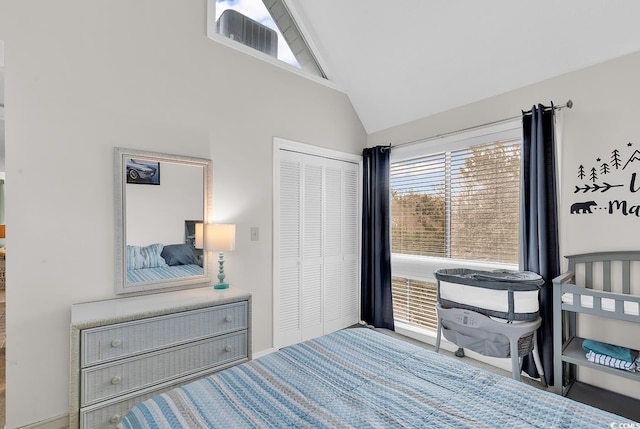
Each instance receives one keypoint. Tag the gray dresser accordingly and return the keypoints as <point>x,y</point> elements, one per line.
<point>128,349</point>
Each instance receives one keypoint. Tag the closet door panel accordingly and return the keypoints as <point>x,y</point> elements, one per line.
<point>351,221</point>
<point>333,245</point>
<point>312,248</point>
<point>287,294</point>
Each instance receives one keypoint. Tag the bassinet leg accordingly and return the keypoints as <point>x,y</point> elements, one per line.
<point>460,352</point>
<point>515,359</point>
<point>438,334</point>
<point>538,362</point>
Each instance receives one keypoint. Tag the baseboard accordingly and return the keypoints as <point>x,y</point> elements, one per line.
<point>60,422</point>
<point>262,353</point>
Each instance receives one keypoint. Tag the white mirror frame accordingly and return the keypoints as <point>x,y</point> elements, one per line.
<point>121,284</point>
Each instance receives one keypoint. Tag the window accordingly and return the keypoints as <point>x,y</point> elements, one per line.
<point>414,302</point>
<point>455,204</point>
<point>461,204</point>
<point>266,26</point>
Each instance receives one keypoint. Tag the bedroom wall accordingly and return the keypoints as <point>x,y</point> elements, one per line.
<point>83,77</point>
<point>604,117</point>
<point>157,213</point>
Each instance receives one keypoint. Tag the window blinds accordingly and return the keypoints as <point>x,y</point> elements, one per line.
<point>462,204</point>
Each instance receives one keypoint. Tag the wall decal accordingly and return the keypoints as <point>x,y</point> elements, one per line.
<point>618,170</point>
<point>584,207</point>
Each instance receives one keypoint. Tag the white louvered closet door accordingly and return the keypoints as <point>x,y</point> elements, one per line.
<point>341,245</point>
<point>312,310</point>
<point>288,244</point>
<point>316,288</point>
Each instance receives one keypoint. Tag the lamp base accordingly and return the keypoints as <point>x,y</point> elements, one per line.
<point>221,286</point>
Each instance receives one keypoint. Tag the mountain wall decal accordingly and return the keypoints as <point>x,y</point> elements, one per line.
<point>635,156</point>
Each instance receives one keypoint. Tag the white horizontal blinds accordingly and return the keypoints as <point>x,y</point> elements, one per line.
<point>485,201</point>
<point>418,216</point>
<point>289,242</point>
<point>462,204</point>
<point>414,302</point>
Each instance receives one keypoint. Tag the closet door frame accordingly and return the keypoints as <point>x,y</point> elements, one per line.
<point>280,145</point>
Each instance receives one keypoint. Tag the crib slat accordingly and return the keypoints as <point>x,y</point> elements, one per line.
<point>606,276</point>
<point>626,277</point>
<point>588,275</point>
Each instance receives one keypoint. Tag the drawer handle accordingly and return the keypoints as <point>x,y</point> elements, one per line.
<point>116,380</point>
<point>115,419</point>
<point>116,343</point>
<point>228,319</point>
<point>227,349</point>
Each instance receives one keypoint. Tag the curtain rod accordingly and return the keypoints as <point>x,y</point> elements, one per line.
<point>568,105</point>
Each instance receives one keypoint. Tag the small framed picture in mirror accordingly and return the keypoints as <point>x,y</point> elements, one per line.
<point>143,172</point>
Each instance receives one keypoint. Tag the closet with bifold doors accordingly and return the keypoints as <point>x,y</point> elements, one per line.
<point>316,242</point>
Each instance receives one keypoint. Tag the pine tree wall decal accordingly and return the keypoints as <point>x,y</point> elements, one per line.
<point>581,172</point>
<point>615,158</point>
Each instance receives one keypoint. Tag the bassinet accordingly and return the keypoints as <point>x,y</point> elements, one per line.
<point>492,313</point>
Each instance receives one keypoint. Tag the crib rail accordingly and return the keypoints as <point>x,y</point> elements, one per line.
<point>606,259</point>
<point>595,300</point>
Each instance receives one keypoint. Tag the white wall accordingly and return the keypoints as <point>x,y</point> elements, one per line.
<point>156,213</point>
<point>604,117</point>
<point>83,77</point>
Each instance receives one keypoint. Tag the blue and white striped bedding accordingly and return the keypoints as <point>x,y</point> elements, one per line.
<point>163,273</point>
<point>361,378</point>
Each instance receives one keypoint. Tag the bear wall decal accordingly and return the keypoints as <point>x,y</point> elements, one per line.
<point>584,207</point>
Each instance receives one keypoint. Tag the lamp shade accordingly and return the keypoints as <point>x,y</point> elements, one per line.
<point>221,237</point>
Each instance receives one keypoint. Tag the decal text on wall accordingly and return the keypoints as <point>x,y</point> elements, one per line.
<point>610,184</point>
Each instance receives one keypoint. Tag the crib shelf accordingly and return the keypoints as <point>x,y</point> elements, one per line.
<point>573,353</point>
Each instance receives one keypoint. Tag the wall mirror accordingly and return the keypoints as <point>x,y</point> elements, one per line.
<point>161,200</point>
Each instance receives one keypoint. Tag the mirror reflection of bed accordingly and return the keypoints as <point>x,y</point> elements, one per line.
<point>158,217</point>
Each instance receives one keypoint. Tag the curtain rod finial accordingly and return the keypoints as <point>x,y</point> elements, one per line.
<point>570,104</point>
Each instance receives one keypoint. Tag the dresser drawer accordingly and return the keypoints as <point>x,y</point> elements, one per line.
<point>120,340</point>
<point>108,414</point>
<point>113,379</point>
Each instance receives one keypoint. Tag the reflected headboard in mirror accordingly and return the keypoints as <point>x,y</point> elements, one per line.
<point>156,196</point>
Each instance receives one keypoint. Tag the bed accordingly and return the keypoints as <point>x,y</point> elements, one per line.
<point>360,378</point>
<point>161,262</point>
<point>604,284</point>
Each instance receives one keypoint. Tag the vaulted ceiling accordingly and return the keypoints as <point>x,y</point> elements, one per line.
<point>403,60</point>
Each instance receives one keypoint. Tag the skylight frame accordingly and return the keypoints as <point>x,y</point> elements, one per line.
<point>215,36</point>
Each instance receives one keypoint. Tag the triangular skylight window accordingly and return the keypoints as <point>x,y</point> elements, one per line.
<point>266,26</point>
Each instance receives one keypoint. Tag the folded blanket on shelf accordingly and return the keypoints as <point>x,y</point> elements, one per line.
<point>616,352</point>
<point>611,361</point>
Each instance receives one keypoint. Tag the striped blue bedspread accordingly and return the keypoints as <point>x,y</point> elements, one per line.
<point>163,273</point>
<point>360,378</point>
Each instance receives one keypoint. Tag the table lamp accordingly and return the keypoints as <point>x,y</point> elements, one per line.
<point>220,237</point>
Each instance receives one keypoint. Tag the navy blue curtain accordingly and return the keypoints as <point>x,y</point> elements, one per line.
<point>539,222</point>
<point>376,301</point>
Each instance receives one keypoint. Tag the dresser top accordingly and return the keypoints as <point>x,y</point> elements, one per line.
<point>98,313</point>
